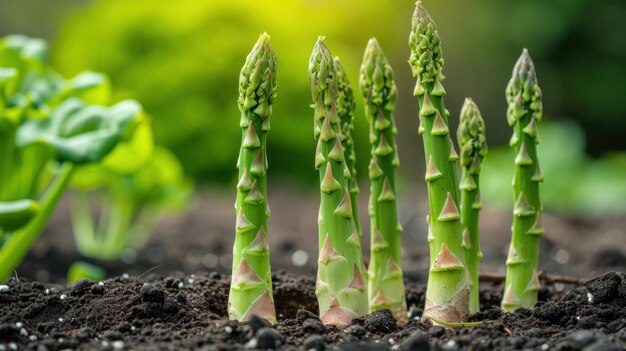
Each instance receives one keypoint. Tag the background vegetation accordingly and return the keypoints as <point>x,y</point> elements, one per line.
<point>181,60</point>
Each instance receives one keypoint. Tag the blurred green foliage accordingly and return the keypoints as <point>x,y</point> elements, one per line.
<point>573,181</point>
<point>182,60</point>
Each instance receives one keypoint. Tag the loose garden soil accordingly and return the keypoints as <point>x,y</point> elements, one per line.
<point>155,303</point>
<point>189,312</point>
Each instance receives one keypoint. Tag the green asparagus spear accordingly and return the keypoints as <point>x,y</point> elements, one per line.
<point>524,112</point>
<point>447,295</point>
<point>345,110</point>
<point>251,285</point>
<point>340,287</point>
<point>473,145</point>
<point>385,283</point>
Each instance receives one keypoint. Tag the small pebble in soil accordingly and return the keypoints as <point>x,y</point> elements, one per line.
<point>436,331</point>
<point>4,289</point>
<point>606,287</point>
<point>151,293</point>
<point>303,315</point>
<point>269,338</point>
<point>416,342</point>
<point>257,323</point>
<point>315,342</point>
<point>313,326</point>
<point>80,287</point>
<point>380,321</point>
<point>356,330</point>
<point>98,289</point>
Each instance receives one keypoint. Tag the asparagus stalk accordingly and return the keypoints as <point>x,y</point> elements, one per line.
<point>345,111</point>
<point>385,282</point>
<point>447,295</point>
<point>251,285</point>
<point>473,144</point>
<point>524,98</point>
<point>340,287</point>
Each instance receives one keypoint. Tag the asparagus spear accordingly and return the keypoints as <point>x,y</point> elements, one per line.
<point>524,98</point>
<point>447,295</point>
<point>385,283</point>
<point>251,285</point>
<point>340,287</point>
<point>473,145</point>
<point>345,111</point>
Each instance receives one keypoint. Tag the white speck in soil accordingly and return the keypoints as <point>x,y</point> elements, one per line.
<point>133,328</point>
<point>60,321</point>
<point>32,338</point>
<point>545,347</point>
<point>251,344</point>
<point>23,332</point>
<point>4,288</point>
<point>47,291</point>
<point>391,341</point>
<point>62,297</point>
<point>589,298</point>
<point>300,258</point>
<point>100,283</point>
<point>180,285</point>
<point>118,344</point>
<point>18,324</point>
<point>2,347</point>
<point>125,276</point>
<point>228,329</point>
<point>13,346</point>
<point>190,281</point>
<point>450,344</point>
<point>105,344</point>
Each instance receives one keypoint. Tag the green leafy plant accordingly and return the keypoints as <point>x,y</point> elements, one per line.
<point>131,204</point>
<point>251,284</point>
<point>473,148</point>
<point>525,111</point>
<point>83,270</point>
<point>385,278</point>
<point>447,294</point>
<point>340,287</point>
<point>44,133</point>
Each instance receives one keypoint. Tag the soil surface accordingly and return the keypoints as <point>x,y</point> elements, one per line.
<point>168,308</point>
<point>200,241</point>
<point>189,312</point>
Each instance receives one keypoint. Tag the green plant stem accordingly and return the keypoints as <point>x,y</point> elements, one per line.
<point>447,295</point>
<point>524,112</point>
<point>251,284</point>
<point>83,224</point>
<point>385,278</point>
<point>473,145</point>
<point>18,244</point>
<point>340,287</point>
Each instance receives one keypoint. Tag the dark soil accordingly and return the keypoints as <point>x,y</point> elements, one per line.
<point>189,312</point>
